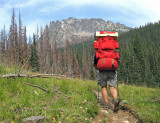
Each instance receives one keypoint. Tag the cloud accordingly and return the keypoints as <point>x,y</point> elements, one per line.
<point>32,26</point>
<point>4,18</point>
<point>7,6</point>
<point>148,8</point>
<point>130,12</point>
<point>136,11</point>
<point>49,9</point>
<point>21,3</point>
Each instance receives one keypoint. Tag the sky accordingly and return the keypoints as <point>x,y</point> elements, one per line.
<point>132,13</point>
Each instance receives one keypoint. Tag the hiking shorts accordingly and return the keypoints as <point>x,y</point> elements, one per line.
<point>107,77</point>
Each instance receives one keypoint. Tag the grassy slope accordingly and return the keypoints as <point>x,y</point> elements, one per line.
<point>19,100</point>
<point>74,100</point>
<point>146,101</point>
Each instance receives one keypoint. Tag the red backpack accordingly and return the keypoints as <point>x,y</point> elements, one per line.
<point>106,50</point>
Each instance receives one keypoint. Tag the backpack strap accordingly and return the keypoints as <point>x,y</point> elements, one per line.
<point>113,63</point>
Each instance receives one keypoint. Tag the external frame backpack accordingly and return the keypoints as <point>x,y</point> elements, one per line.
<point>106,50</point>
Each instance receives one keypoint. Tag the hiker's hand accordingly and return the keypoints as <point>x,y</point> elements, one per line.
<point>95,66</point>
<point>119,61</point>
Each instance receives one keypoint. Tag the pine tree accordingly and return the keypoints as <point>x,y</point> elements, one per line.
<point>41,51</point>
<point>16,46</point>
<point>47,50</point>
<point>136,75</point>
<point>25,46</point>
<point>1,47</point>
<point>3,41</point>
<point>20,42</point>
<point>34,63</point>
<point>139,56</point>
<point>65,58</point>
<point>85,65</point>
<point>60,63</point>
<point>77,70</point>
<point>11,43</point>
<point>55,58</point>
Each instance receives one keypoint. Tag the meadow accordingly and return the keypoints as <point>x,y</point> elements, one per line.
<point>70,100</point>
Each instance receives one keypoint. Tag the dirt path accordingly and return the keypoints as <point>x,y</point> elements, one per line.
<point>108,116</point>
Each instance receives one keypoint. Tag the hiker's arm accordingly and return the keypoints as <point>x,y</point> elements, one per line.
<point>95,61</point>
<point>95,66</point>
<point>119,60</point>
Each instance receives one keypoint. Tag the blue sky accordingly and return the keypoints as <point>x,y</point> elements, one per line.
<point>132,13</point>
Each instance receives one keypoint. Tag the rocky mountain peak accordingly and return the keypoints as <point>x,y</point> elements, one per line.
<point>77,30</point>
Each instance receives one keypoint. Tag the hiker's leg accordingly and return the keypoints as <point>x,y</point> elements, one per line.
<point>105,94</point>
<point>113,91</point>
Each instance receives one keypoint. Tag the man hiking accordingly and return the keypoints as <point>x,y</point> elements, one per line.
<point>105,61</point>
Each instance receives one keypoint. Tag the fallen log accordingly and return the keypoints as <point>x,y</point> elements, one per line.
<point>32,76</point>
<point>50,75</point>
<point>37,87</point>
<point>13,75</point>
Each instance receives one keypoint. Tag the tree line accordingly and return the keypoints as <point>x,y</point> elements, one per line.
<point>139,50</point>
<point>37,53</point>
<point>13,46</point>
<point>139,53</point>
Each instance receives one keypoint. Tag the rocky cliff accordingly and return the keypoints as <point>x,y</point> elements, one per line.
<point>78,30</point>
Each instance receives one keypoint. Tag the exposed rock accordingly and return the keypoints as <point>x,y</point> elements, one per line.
<point>126,121</point>
<point>124,105</point>
<point>104,112</point>
<point>77,30</point>
<point>33,119</point>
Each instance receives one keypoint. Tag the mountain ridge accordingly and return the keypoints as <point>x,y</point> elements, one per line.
<point>79,30</point>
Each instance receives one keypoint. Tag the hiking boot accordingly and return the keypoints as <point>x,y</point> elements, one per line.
<point>107,105</point>
<point>116,105</point>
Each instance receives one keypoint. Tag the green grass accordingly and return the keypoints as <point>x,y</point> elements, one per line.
<point>12,69</point>
<point>6,69</point>
<point>74,101</point>
<point>146,101</point>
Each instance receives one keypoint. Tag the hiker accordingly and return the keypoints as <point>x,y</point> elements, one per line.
<point>106,60</point>
<point>107,77</point>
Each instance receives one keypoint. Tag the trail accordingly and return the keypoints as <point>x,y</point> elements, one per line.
<point>108,116</point>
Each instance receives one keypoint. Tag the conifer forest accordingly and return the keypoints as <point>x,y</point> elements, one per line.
<point>139,53</point>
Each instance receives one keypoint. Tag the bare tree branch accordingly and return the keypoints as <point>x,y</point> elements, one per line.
<point>37,87</point>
